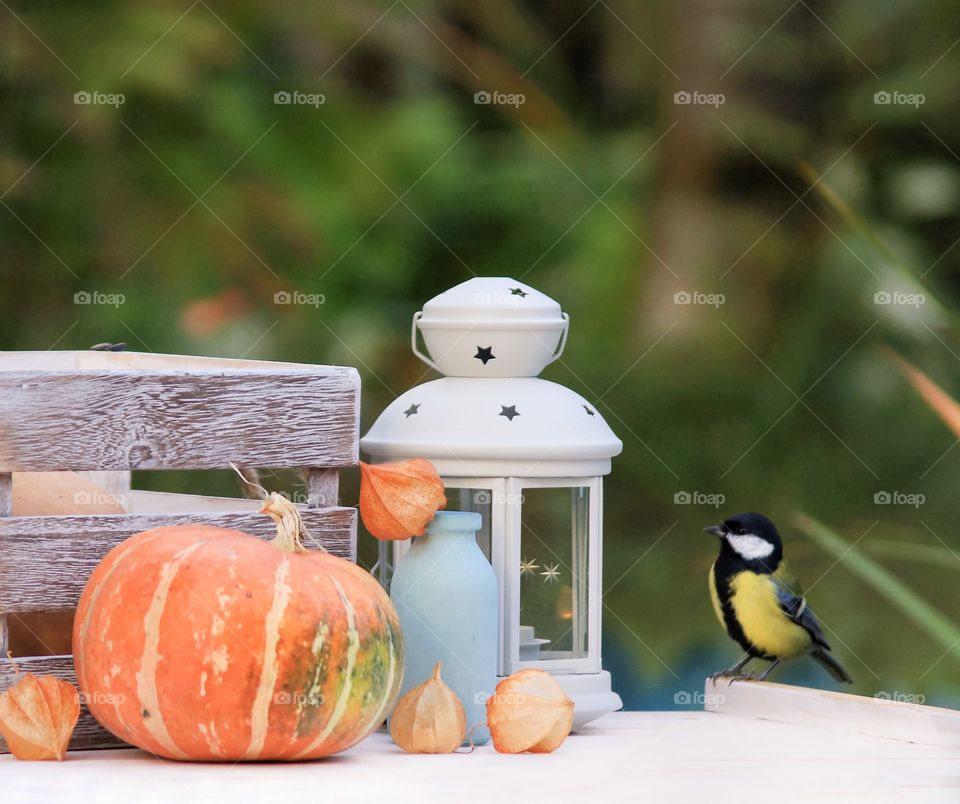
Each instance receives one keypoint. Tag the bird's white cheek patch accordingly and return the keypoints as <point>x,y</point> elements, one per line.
<point>749,546</point>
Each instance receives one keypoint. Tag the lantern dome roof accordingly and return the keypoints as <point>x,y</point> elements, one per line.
<point>490,326</point>
<point>485,299</point>
<point>489,427</point>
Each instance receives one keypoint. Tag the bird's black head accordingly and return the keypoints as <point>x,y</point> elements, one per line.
<point>751,538</point>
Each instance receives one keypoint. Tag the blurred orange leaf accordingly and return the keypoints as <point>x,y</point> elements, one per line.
<point>204,317</point>
<point>944,405</point>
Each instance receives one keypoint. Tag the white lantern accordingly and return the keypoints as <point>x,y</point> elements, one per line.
<point>527,454</point>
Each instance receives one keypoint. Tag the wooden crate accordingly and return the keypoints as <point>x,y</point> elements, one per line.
<point>113,412</point>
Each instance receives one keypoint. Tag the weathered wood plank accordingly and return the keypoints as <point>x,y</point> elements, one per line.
<point>168,502</point>
<point>45,561</point>
<point>835,711</point>
<point>6,493</point>
<point>6,509</point>
<point>129,419</point>
<point>85,359</point>
<point>323,486</point>
<point>89,733</point>
<point>323,489</point>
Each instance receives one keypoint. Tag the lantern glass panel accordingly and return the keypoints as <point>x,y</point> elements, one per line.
<point>554,529</point>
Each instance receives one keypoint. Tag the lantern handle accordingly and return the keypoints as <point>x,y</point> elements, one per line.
<point>413,342</point>
<point>563,338</point>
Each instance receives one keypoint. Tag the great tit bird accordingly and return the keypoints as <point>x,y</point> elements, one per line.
<point>758,601</point>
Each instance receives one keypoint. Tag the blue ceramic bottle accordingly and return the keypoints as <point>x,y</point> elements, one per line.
<point>446,595</point>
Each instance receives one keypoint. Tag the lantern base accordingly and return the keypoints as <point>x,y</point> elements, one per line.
<point>592,696</point>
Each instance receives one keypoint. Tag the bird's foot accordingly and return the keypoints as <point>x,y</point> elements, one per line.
<point>730,677</point>
<point>734,671</point>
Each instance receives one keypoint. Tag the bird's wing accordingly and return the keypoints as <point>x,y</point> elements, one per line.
<point>795,607</point>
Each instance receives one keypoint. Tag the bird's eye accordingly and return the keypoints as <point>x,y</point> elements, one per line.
<point>741,531</point>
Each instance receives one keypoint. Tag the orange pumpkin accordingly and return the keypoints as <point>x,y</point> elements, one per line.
<point>203,643</point>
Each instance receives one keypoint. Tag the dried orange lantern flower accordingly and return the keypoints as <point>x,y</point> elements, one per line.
<point>529,711</point>
<point>38,715</point>
<point>397,500</point>
<point>429,719</point>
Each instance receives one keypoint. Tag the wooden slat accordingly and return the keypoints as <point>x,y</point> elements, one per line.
<point>89,733</point>
<point>323,489</point>
<point>45,561</point>
<point>836,711</point>
<point>129,419</point>
<point>167,502</point>
<point>323,486</point>
<point>86,359</point>
<point>6,509</point>
<point>6,494</point>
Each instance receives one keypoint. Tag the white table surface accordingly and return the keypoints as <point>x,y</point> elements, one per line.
<point>627,756</point>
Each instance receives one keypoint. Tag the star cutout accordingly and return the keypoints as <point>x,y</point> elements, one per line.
<point>509,411</point>
<point>551,574</point>
<point>411,410</point>
<point>518,292</point>
<point>484,354</point>
<point>589,412</point>
<point>529,567</point>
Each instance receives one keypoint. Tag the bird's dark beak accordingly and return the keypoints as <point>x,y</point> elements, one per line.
<point>716,530</point>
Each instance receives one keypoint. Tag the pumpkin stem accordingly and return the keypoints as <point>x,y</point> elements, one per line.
<point>248,479</point>
<point>290,528</point>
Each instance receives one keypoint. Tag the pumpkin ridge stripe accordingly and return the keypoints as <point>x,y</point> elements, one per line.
<point>122,554</point>
<point>379,715</point>
<point>316,684</point>
<point>352,650</point>
<point>260,711</point>
<point>95,593</point>
<point>149,660</point>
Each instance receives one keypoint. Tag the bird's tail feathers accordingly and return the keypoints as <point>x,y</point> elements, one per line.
<point>832,665</point>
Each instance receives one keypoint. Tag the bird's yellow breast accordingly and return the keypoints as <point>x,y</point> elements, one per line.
<point>754,600</point>
<point>715,598</point>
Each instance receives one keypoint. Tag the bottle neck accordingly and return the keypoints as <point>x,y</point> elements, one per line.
<point>450,539</point>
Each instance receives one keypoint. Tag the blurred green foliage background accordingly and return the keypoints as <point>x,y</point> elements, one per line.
<point>797,196</point>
